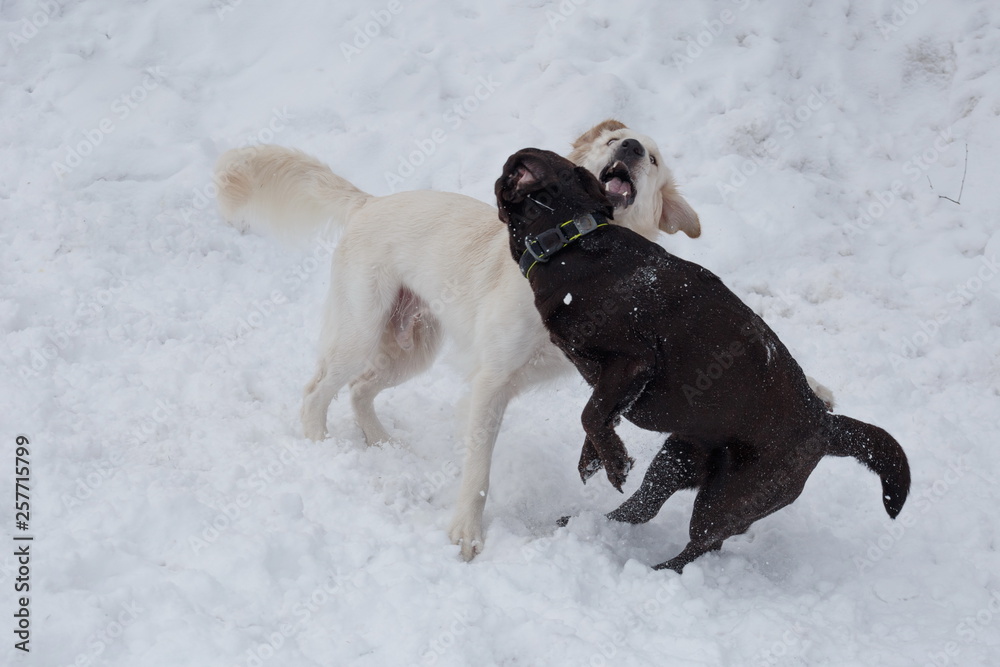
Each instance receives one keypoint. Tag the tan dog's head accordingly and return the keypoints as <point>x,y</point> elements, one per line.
<point>638,183</point>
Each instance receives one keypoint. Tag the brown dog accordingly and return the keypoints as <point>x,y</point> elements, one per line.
<point>666,345</point>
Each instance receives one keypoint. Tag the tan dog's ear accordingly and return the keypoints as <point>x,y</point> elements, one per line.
<point>582,143</point>
<point>677,214</point>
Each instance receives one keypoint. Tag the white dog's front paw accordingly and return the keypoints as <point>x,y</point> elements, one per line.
<point>313,421</point>
<point>313,429</point>
<point>468,534</point>
<point>316,435</point>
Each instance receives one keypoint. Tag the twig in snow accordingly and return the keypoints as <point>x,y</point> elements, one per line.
<point>962,188</point>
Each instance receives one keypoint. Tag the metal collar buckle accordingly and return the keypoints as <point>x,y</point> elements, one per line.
<point>585,224</point>
<point>545,244</point>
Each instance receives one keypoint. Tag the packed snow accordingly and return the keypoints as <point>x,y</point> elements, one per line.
<point>843,157</point>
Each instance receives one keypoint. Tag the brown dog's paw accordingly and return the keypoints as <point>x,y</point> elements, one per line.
<point>617,465</point>
<point>590,461</point>
<point>618,470</point>
<point>672,564</point>
<point>588,467</point>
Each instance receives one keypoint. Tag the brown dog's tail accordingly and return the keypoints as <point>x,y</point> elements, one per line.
<point>878,451</point>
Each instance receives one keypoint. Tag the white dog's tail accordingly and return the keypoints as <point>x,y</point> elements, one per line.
<point>285,190</point>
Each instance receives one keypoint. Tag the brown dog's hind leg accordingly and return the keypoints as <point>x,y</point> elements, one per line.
<point>691,551</point>
<point>711,524</point>
<point>731,500</point>
<point>678,465</point>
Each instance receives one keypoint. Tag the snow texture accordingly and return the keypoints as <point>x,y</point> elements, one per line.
<point>155,357</point>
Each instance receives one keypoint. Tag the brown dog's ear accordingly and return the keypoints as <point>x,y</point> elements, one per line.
<point>582,143</point>
<point>595,190</point>
<point>677,214</point>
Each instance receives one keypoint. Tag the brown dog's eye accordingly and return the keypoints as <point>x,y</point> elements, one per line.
<point>652,159</point>
<point>612,141</point>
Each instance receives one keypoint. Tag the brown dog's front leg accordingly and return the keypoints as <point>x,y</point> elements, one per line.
<point>590,461</point>
<point>618,387</point>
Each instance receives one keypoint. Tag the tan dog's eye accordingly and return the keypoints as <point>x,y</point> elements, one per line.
<point>612,141</point>
<point>652,158</point>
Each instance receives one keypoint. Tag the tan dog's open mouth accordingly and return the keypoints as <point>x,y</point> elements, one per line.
<point>618,184</point>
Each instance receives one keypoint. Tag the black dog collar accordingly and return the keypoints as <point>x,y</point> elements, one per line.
<point>541,247</point>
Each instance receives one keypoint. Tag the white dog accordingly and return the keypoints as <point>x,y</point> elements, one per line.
<point>413,267</point>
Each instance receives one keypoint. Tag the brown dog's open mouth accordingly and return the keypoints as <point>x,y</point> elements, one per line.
<point>618,184</point>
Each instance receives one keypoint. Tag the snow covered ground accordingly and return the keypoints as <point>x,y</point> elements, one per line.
<point>154,357</point>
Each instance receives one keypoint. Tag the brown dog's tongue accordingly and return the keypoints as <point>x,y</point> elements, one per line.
<point>618,187</point>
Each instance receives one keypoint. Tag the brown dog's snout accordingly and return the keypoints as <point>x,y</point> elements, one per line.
<point>522,174</point>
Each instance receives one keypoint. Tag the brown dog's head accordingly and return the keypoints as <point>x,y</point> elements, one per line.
<point>540,189</point>
<point>639,183</point>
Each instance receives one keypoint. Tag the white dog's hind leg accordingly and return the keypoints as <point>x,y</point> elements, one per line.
<point>364,389</point>
<point>335,368</point>
<point>350,337</point>
<point>390,366</point>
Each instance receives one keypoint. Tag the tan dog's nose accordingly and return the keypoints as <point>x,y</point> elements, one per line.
<point>631,146</point>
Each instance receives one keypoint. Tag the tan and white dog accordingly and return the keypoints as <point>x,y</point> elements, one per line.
<point>415,267</point>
